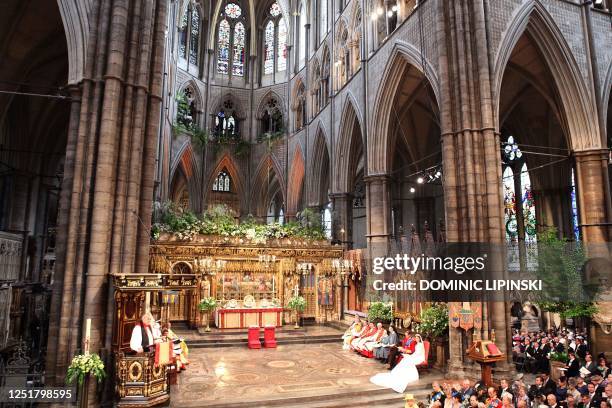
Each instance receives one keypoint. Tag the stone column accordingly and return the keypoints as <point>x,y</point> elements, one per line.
<point>591,175</point>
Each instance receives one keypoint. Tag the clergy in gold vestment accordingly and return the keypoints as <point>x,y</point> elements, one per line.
<point>352,332</point>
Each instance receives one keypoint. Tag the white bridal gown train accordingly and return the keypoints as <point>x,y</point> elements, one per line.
<point>404,373</point>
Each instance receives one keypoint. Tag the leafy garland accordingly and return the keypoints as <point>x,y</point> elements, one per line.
<point>186,225</point>
<point>84,364</point>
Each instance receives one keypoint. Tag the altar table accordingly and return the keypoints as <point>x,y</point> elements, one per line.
<point>240,318</point>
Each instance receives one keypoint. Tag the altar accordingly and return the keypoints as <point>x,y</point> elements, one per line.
<point>243,318</point>
<point>252,283</point>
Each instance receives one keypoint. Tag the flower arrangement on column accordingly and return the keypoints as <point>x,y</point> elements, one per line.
<point>83,365</point>
<point>298,305</point>
<point>206,306</point>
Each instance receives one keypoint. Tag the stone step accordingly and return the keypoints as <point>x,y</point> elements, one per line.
<point>371,398</point>
<point>242,342</point>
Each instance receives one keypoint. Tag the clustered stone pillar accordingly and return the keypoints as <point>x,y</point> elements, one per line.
<point>107,190</point>
<point>471,161</point>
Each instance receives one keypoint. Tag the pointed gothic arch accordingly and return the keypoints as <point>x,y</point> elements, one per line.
<point>235,198</point>
<point>296,183</point>
<point>319,180</point>
<point>350,146</point>
<point>268,185</point>
<point>577,116</point>
<point>185,173</point>
<point>404,57</point>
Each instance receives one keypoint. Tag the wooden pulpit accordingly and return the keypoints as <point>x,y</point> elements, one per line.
<point>485,353</point>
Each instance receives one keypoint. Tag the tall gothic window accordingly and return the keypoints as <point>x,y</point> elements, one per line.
<point>302,34</point>
<point>518,196</point>
<point>275,41</point>
<point>575,223</point>
<point>223,182</point>
<point>223,47</point>
<point>189,35</point>
<point>271,117</point>
<point>231,41</point>
<point>239,38</point>
<point>281,49</point>
<point>322,19</point>
<point>327,220</point>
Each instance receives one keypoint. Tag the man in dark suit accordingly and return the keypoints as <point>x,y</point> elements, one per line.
<point>536,389</point>
<point>504,388</point>
<point>548,385</point>
<point>581,348</point>
<point>573,365</point>
<point>594,398</point>
<point>585,403</point>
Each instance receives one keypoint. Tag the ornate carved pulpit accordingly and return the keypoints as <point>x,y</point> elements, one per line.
<point>139,381</point>
<point>485,353</point>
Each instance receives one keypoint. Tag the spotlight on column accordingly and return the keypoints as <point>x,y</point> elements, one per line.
<point>420,180</point>
<point>394,8</point>
<point>380,11</point>
<point>412,189</point>
<point>389,13</point>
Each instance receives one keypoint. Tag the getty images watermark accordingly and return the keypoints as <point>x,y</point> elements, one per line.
<point>458,265</point>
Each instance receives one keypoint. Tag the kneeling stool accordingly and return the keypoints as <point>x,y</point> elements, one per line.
<point>270,336</point>
<point>253,338</point>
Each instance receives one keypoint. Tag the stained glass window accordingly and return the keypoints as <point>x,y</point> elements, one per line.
<point>515,166</point>
<point>509,205</point>
<point>529,212</point>
<point>224,47</point>
<point>222,182</point>
<point>269,48</point>
<point>233,10</point>
<point>327,221</point>
<point>275,10</point>
<point>194,43</point>
<point>281,58</point>
<point>574,209</point>
<point>238,59</point>
<point>183,35</point>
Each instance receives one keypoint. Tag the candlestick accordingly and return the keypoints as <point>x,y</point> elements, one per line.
<point>87,335</point>
<point>272,286</point>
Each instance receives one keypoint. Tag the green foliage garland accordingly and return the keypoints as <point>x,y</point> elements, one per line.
<point>84,364</point>
<point>185,225</point>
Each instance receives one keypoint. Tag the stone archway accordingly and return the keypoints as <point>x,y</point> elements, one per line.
<point>296,184</point>
<point>348,197</point>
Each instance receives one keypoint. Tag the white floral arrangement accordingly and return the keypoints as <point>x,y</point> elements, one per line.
<point>84,364</point>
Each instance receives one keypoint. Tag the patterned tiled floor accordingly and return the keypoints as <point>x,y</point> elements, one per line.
<point>239,374</point>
